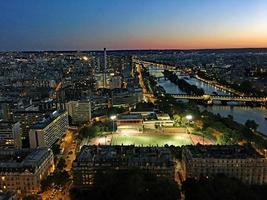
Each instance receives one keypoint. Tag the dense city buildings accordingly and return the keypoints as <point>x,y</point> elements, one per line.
<point>48,131</point>
<point>135,100</point>
<point>27,119</point>
<point>79,111</point>
<point>94,159</point>
<point>10,135</point>
<point>100,111</point>
<point>126,97</point>
<point>23,172</point>
<point>241,162</point>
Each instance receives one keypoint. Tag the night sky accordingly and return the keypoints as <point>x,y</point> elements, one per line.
<point>132,24</point>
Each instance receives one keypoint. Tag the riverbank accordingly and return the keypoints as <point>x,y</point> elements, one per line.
<point>240,112</point>
<point>224,130</point>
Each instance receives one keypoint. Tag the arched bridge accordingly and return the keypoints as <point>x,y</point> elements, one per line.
<point>221,98</point>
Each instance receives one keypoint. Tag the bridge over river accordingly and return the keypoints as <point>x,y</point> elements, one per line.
<point>211,98</point>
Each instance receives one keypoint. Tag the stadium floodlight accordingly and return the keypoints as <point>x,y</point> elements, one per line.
<point>113,117</point>
<point>189,117</point>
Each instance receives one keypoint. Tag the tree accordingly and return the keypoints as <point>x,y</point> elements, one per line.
<point>31,197</point>
<point>246,87</point>
<point>130,184</point>
<point>89,132</point>
<point>61,164</point>
<point>251,124</point>
<point>70,119</point>
<point>221,187</point>
<point>58,178</point>
<point>177,119</point>
<point>141,106</point>
<point>56,149</point>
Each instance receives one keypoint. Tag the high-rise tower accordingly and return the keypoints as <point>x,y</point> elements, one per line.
<point>105,68</point>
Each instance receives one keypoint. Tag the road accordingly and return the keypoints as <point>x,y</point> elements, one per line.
<point>57,193</point>
<point>69,154</point>
<point>147,95</point>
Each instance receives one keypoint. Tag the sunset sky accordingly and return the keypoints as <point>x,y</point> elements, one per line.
<point>132,24</point>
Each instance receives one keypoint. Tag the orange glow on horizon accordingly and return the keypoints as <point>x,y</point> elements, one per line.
<point>216,41</point>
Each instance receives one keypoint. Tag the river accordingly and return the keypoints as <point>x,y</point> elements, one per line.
<point>240,113</point>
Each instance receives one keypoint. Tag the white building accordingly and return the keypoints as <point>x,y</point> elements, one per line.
<point>46,132</point>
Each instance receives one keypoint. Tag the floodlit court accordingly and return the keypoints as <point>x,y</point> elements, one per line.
<point>151,140</point>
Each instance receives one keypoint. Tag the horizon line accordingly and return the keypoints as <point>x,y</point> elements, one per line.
<point>135,49</point>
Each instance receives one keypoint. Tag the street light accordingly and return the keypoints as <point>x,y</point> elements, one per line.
<point>85,58</point>
<point>189,118</point>
<point>113,118</point>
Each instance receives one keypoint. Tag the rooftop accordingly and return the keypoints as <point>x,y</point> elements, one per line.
<point>129,117</point>
<point>125,154</point>
<point>223,151</point>
<point>46,121</point>
<point>7,124</point>
<point>24,160</point>
<point>163,115</point>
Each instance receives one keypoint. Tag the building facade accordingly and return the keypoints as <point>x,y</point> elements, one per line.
<point>79,111</point>
<point>24,172</point>
<point>27,119</point>
<point>46,132</point>
<point>93,159</point>
<point>122,97</point>
<point>240,162</point>
<point>132,123</point>
<point>115,82</point>
<point>10,135</point>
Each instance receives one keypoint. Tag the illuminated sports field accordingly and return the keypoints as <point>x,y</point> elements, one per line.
<point>153,140</point>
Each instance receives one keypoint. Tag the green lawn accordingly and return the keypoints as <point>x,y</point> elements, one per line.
<point>160,140</point>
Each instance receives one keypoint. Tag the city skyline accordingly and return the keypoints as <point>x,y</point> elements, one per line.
<point>91,25</point>
<point>113,99</point>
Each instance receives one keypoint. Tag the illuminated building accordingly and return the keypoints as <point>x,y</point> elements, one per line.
<point>79,111</point>
<point>122,97</point>
<point>24,172</point>
<point>132,123</point>
<point>100,102</point>
<point>10,135</point>
<point>240,162</point>
<point>105,68</point>
<point>93,159</point>
<point>27,119</point>
<point>163,120</point>
<point>6,113</point>
<point>99,78</point>
<point>46,132</point>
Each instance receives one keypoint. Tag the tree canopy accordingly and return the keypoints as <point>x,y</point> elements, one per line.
<point>130,185</point>
<point>221,188</point>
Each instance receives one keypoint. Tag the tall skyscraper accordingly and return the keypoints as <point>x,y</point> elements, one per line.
<point>105,68</point>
